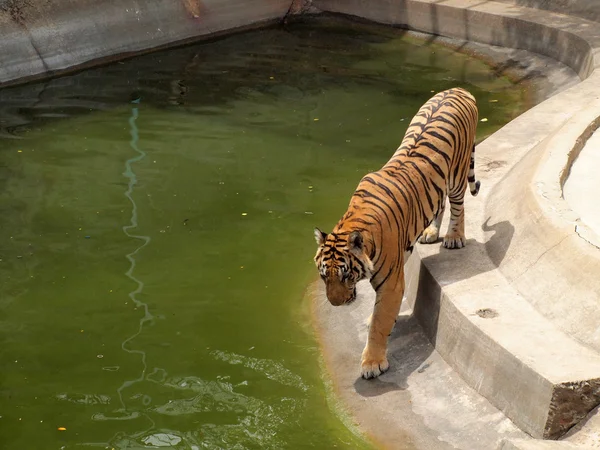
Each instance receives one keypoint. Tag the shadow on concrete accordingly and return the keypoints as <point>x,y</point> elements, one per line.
<point>408,349</point>
<point>448,267</point>
<point>410,343</point>
<point>497,246</point>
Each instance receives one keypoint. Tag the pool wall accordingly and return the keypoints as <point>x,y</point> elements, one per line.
<point>41,38</point>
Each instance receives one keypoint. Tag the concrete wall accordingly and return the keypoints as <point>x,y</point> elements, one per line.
<point>38,37</point>
<point>586,9</point>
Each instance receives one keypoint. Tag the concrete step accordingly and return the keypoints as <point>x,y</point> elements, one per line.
<point>586,9</point>
<point>528,444</point>
<point>491,308</point>
<point>541,378</point>
<point>421,402</point>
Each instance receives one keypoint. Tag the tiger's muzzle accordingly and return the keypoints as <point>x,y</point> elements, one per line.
<point>339,294</point>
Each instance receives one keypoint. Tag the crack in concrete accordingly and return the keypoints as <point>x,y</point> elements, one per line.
<point>16,10</point>
<point>541,256</point>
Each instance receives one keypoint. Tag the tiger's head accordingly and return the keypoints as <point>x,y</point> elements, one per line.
<point>342,262</point>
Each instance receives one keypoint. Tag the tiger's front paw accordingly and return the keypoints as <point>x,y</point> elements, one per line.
<point>454,240</point>
<point>373,366</point>
<point>430,235</point>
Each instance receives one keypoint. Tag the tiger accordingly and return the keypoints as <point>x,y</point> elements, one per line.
<point>398,205</point>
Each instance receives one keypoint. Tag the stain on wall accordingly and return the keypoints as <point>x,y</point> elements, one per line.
<point>194,7</point>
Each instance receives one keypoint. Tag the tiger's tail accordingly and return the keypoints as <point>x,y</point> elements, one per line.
<point>474,184</point>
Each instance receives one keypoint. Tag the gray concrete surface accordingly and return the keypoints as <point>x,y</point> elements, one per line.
<point>53,36</point>
<point>586,9</point>
<point>525,444</point>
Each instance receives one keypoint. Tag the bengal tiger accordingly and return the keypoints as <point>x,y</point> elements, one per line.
<point>397,205</point>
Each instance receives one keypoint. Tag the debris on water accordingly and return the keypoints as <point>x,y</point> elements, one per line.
<point>484,120</point>
<point>62,429</point>
<point>19,151</point>
<point>87,237</point>
<point>99,356</point>
<point>162,440</point>
<point>493,100</point>
<point>315,119</point>
<point>308,212</point>
<point>244,214</point>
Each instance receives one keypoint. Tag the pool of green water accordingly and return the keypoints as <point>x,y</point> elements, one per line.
<point>156,239</point>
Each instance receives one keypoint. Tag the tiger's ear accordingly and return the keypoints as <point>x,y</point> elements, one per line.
<point>355,241</point>
<point>320,236</point>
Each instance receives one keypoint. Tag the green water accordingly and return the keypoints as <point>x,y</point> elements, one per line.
<point>156,233</point>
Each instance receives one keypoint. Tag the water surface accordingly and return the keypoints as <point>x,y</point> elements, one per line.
<point>156,232</point>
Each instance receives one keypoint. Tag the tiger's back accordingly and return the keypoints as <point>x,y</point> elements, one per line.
<point>398,204</point>
<point>436,156</point>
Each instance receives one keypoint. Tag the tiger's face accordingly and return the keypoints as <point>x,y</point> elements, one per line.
<point>342,262</point>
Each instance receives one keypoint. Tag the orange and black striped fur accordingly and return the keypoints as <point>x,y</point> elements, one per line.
<point>394,207</point>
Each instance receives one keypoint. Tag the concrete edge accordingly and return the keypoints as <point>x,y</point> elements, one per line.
<point>103,31</point>
<point>569,40</point>
<point>524,444</point>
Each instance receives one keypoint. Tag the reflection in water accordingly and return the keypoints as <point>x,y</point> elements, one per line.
<point>130,174</point>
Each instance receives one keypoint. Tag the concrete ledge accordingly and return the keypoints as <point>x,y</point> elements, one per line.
<point>525,444</point>
<point>54,36</point>
<point>552,241</point>
<point>586,9</point>
<point>566,39</point>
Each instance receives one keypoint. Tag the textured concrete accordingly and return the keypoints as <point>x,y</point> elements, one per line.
<point>586,9</point>
<point>52,36</point>
<point>586,434</point>
<point>525,444</point>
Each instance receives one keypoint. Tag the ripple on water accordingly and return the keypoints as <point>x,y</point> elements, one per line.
<point>273,370</point>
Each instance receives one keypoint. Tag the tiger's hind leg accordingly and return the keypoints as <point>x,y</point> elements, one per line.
<point>455,237</point>
<point>432,232</point>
